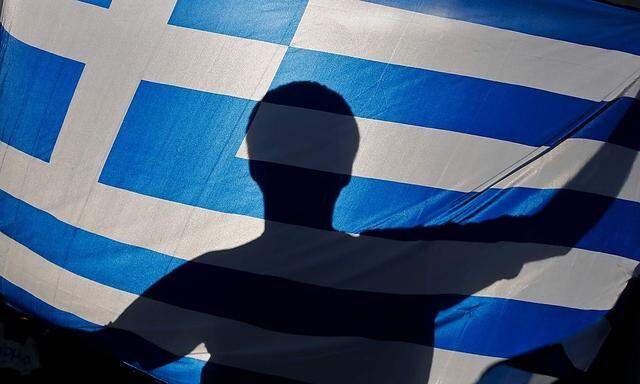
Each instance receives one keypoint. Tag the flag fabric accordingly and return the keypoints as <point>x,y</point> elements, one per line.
<point>321,191</point>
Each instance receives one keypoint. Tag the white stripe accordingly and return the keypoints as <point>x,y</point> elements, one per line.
<point>308,358</point>
<point>387,150</point>
<point>558,168</point>
<point>550,275</point>
<point>64,27</point>
<point>214,63</point>
<point>391,35</point>
<point>444,159</point>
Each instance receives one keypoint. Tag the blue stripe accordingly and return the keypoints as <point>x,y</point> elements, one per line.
<point>578,21</point>
<point>35,92</point>
<point>439,100</point>
<point>28,303</point>
<point>99,3</point>
<point>127,346</point>
<point>283,305</point>
<point>274,21</point>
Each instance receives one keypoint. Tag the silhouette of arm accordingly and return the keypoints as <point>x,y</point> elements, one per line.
<point>563,217</point>
<point>135,349</point>
<point>604,348</point>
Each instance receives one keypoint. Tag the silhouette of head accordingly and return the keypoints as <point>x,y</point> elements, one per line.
<point>301,140</point>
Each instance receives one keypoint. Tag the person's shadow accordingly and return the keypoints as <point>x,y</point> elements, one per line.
<point>308,302</point>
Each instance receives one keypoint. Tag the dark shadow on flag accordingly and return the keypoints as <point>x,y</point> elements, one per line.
<point>259,295</point>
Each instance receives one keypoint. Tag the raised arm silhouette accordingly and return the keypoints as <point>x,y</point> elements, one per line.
<point>267,301</point>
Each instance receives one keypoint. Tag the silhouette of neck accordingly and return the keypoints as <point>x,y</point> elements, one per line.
<point>320,218</point>
<point>299,196</point>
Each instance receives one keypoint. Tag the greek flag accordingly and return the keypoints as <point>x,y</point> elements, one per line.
<point>322,191</point>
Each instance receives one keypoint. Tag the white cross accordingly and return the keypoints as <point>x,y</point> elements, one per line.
<point>120,46</point>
